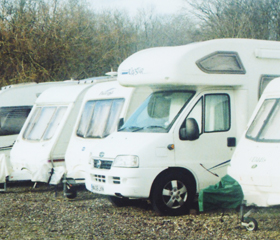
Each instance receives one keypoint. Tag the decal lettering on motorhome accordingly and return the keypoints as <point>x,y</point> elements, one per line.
<point>133,71</point>
<point>254,166</point>
<point>107,92</point>
<point>258,159</point>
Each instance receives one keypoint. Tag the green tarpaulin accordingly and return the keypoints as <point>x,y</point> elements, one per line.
<point>225,194</point>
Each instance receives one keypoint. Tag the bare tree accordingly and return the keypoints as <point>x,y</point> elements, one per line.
<point>236,18</point>
<point>52,40</point>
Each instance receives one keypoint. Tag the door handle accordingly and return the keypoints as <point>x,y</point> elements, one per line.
<point>231,142</point>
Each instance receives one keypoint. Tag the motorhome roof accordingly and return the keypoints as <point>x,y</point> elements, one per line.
<point>193,63</point>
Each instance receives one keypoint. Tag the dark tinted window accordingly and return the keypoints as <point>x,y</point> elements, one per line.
<point>12,119</point>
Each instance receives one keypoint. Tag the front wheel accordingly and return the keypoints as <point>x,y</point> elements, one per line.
<point>173,194</point>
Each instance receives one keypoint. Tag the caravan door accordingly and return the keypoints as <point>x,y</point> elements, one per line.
<point>208,156</point>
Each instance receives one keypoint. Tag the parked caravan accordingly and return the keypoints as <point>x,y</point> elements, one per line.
<point>255,162</point>
<point>182,137</point>
<point>105,107</point>
<point>41,144</point>
<point>16,102</point>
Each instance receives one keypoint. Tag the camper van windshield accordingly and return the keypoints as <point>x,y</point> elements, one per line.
<point>12,119</point>
<point>100,118</point>
<point>44,122</point>
<point>158,112</point>
<point>265,127</point>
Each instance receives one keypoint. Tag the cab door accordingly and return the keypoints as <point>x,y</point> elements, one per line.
<point>207,155</point>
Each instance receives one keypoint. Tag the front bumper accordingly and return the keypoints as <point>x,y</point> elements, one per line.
<point>125,182</point>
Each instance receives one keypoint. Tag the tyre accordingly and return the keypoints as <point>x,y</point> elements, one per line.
<point>70,192</point>
<point>252,224</point>
<point>119,202</point>
<point>173,194</point>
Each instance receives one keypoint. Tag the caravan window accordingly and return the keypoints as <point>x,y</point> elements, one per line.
<point>222,62</point>
<point>12,119</point>
<point>100,118</point>
<point>264,127</point>
<point>264,81</point>
<point>158,112</point>
<point>44,122</point>
<point>55,121</point>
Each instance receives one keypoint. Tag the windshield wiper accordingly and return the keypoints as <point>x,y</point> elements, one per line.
<point>136,129</point>
<point>131,128</point>
<point>155,126</point>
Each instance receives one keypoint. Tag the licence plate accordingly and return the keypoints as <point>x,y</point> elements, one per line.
<point>97,188</point>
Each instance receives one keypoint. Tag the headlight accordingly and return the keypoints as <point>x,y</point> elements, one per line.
<point>128,161</point>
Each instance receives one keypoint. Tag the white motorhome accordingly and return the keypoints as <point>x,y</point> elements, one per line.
<point>16,102</point>
<point>181,139</point>
<point>105,106</point>
<point>255,162</point>
<point>41,144</point>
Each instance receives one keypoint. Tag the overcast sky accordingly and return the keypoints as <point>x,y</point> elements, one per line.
<point>161,6</point>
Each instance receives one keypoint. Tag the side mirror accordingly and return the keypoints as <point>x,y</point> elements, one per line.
<point>121,122</point>
<point>191,131</point>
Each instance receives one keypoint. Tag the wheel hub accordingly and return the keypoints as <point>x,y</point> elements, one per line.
<point>174,194</point>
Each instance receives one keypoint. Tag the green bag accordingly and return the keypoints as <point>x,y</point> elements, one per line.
<point>225,194</point>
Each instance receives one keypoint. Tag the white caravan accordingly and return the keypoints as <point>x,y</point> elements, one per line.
<point>16,102</point>
<point>105,107</point>
<point>181,139</point>
<point>255,162</point>
<point>41,144</point>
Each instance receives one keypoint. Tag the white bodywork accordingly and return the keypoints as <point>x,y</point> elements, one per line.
<point>142,154</point>
<point>100,97</point>
<point>255,163</point>
<point>43,140</point>
<point>16,102</point>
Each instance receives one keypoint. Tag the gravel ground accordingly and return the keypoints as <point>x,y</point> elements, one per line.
<point>28,213</point>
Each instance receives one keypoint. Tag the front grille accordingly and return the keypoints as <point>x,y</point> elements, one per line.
<point>116,180</point>
<point>102,164</point>
<point>99,178</point>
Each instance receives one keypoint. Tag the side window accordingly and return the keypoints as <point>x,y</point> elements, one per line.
<point>212,114</point>
<point>217,113</point>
